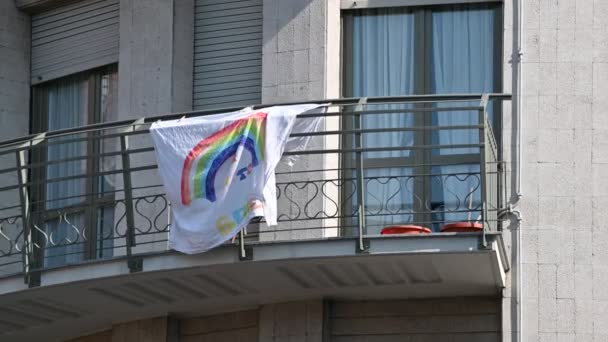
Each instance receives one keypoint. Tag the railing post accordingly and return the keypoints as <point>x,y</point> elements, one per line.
<point>483,167</point>
<point>245,252</point>
<point>135,264</point>
<point>27,252</point>
<point>363,245</point>
<point>28,256</point>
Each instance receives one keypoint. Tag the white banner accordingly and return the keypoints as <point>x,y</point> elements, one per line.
<point>218,170</point>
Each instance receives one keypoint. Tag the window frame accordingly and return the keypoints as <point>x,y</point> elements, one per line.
<point>421,163</point>
<point>362,4</point>
<point>90,202</point>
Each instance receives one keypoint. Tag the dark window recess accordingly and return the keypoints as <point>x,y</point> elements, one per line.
<point>73,203</point>
<point>447,49</point>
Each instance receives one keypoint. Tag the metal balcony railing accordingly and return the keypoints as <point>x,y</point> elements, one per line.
<point>92,192</point>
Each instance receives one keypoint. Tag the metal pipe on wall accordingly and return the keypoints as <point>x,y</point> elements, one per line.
<point>517,284</point>
<point>518,102</point>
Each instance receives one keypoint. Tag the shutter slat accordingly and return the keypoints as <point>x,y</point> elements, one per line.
<point>75,29</point>
<point>201,3</point>
<point>236,52</point>
<point>227,83</point>
<point>227,53</point>
<point>201,66</point>
<point>42,28</point>
<point>227,72</point>
<point>229,26</point>
<point>205,6</point>
<point>241,20</point>
<point>227,13</point>
<point>252,45</point>
<point>92,48</point>
<point>100,58</point>
<point>242,99</point>
<point>74,38</point>
<point>227,62</point>
<point>101,34</point>
<point>69,10</point>
<point>84,59</point>
<point>227,92</point>
<point>226,33</point>
<point>229,39</point>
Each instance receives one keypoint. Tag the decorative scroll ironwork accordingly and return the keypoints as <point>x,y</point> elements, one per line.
<point>11,236</point>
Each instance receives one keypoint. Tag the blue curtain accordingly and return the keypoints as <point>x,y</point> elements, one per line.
<point>463,52</point>
<point>462,41</point>
<point>67,107</point>
<point>106,184</point>
<point>383,65</point>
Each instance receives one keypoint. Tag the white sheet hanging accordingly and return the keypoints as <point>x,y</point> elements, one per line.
<point>218,170</point>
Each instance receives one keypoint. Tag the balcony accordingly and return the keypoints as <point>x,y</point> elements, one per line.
<point>84,220</point>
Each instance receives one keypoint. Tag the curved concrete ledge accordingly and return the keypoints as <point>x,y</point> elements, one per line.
<point>76,300</point>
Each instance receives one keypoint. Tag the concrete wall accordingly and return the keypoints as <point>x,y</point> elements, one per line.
<point>437,320</point>
<point>155,77</point>
<point>148,330</point>
<point>296,321</point>
<point>446,319</point>
<point>14,111</point>
<point>14,71</point>
<point>104,336</point>
<point>565,192</point>
<point>293,68</point>
<point>294,50</point>
<point>239,326</point>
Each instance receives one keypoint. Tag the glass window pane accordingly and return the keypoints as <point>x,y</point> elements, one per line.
<point>108,112</point>
<point>64,213</point>
<point>383,65</point>
<point>456,194</point>
<point>464,51</point>
<point>448,138</point>
<point>65,243</point>
<point>105,215</point>
<point>389,197</point>
<point>447,49</point>
<point>67,108</point>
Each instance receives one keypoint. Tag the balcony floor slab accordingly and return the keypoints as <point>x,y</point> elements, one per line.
<point>81,299</point>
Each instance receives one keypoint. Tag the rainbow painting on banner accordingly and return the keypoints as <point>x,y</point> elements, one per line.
<point>246,134</point>
<point>218,171</point>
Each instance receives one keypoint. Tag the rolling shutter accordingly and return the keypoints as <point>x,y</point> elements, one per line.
<point>74,38</point>
<point>227,53</point>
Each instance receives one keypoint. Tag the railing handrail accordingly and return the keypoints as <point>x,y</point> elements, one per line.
<point>171,116</point>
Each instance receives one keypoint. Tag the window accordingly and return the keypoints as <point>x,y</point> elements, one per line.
<point>73,208</point>
<point>227,53</point>
<point>448,49</point>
